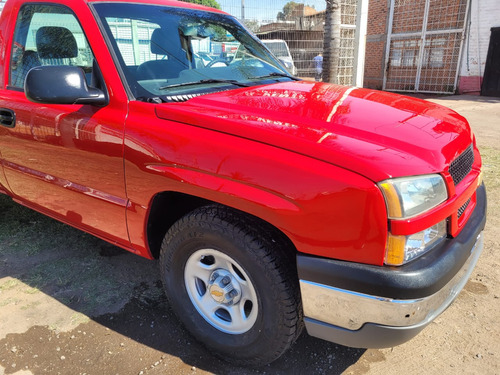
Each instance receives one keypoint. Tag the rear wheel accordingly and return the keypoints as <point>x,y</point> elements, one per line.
<point>232,281</point>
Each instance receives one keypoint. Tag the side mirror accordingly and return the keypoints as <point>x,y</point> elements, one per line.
<point>61,85</point>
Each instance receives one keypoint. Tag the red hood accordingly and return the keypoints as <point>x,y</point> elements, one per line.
<point>376,134</point>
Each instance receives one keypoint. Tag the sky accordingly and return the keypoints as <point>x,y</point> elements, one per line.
<point>263,10</point>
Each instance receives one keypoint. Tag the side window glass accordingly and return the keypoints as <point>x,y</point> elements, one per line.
<point>48,35</point>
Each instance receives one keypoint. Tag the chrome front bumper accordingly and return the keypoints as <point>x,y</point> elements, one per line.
<point>368,306</point>
<point>351,310</point>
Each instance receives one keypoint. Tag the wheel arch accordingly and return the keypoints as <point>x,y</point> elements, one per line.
<point>169,206</point>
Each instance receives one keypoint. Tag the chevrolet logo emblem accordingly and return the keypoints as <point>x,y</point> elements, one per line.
<point>216,293</point>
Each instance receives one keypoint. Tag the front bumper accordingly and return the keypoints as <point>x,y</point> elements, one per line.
<point>374,307</point>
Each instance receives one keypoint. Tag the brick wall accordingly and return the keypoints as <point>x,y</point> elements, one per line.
<point>378,14</point>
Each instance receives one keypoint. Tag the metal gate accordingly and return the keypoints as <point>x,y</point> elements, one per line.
<point>424,42</point>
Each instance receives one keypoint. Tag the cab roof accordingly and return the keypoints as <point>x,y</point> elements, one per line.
<point>171,3</point>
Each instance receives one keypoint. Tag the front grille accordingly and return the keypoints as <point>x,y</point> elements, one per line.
<point>461,166</point>
<point>462,209</point>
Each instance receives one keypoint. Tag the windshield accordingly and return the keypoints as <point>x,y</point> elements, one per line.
<point>166,52</point>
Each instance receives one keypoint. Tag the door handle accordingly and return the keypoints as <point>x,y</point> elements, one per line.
<point>7,117</point>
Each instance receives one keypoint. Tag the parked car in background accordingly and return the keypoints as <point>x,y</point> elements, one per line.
<point>279,48</point>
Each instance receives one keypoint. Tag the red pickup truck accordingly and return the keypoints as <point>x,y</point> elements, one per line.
<point>272,203</point>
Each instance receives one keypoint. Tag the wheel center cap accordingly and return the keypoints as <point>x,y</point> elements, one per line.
<point>224,288</point>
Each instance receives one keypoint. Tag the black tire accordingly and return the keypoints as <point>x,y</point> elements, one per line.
<point>259,325</point>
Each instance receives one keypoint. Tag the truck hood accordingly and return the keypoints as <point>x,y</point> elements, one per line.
<point>376,134</point>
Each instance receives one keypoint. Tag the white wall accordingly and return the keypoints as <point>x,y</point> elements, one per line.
<point>485,14</point>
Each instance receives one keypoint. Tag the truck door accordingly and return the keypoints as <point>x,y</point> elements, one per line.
<point>64,160</point>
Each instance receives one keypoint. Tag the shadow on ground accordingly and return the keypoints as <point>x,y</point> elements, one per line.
<point>131,329</point>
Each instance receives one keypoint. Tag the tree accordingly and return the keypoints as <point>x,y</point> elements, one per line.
<point>208,3</point>
<point>288,11</point>
<point>331,42</point>
<point>252,25</point>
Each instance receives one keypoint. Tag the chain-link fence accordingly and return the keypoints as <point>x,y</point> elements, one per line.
<point>348,9</point>
<point>300,26</point>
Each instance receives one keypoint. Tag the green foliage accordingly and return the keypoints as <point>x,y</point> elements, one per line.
<point>290,11</point>
<point>252,25</point>
<point>287,12</point>
<point>290,7</point>
<point>208,3</point>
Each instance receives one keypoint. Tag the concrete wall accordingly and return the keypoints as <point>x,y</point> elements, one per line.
<point>485,14</point>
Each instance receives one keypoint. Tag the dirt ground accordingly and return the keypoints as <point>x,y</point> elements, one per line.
<point>72,304</point>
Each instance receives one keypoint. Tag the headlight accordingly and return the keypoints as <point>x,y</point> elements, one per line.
<point>402,249</point>
<point>410,196</point>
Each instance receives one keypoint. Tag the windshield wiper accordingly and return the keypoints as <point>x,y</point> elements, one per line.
<point>202,81</point>
<point>277,74</point>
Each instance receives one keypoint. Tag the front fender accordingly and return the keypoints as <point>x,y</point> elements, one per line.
<point>339,216</point>
<point>323,209</point>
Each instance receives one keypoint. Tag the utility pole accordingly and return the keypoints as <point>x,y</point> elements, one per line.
<point>360,43</point>
<point>243,10</point>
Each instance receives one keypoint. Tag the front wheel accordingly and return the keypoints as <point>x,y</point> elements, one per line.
<point>232,282</point>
